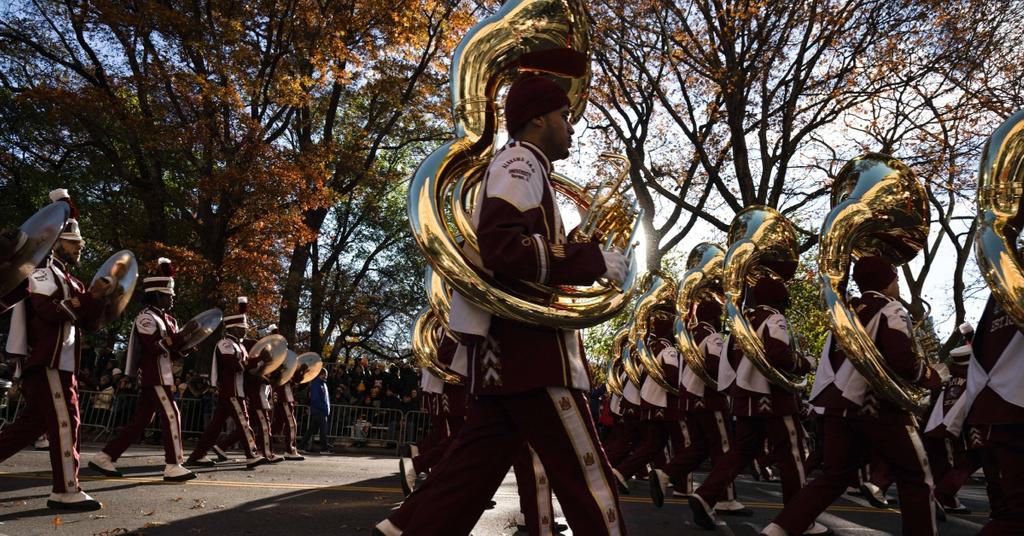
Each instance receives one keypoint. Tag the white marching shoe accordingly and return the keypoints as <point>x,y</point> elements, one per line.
<point>174,472</point>
<point>101,463</point>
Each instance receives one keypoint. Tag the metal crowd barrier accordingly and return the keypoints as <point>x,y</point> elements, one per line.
<point>102,415</point>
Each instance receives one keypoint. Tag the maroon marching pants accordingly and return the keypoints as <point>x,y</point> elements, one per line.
<point>623,438</point>
<point>284,422</point>
<point>657,435</point>
<point>849,443</point>
<point>431,451</point>
<point>534,493</point>
<point>952,465</point>
<point>785,437</point>
<point>706,435</point>
<point>228,407</point>
<point>51,407</point>
<point>153,399</point>
<point>1004,475</point>
<point>556,422</point>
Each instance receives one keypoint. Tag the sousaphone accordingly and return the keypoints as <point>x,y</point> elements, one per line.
<point>879,209</point>
<point>702,280</point>
<point>540,36</point>
<point>762,243</point>
<point>655,303</point>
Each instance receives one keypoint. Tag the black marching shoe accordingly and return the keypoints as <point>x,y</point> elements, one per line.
<point>200,462</point>
<point>702,515</point>
<point>220,454</point>
<point>252,463</point>
<point>79,501</point>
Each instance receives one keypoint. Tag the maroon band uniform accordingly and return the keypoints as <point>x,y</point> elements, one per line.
<point>52,315</point>
<point>857,423</point>
<point>529,381</point>
<point>156,393</point>
<point>228,369</point>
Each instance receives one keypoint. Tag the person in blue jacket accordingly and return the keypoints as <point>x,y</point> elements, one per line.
<point>319,410</point>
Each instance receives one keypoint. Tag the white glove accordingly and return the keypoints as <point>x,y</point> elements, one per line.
<point>615,266</point>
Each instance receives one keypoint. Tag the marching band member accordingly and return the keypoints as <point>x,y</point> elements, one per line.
<point>152,346</point>
<point>951,461</point>
<point>49,323</point>
<point>446,407</point>
<point>284,420</point>
<point>257,396</point>
<point>626,435</point>
<point>706,419</point>
<point>993,404</point>
<point>762,410</point>
<point>257,403</point>
<point>659,409</point>
<point>529,381</point>
<point>857,423</point>
<point>226,375</point>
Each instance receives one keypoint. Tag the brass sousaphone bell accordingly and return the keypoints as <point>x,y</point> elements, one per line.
<point>762,243</point>
<point>271,352</point>
<point>1000,216</point>
<point>703,278</point>
<point>879,209</point>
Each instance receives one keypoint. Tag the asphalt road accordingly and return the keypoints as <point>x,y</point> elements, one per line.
<point>346,494</point>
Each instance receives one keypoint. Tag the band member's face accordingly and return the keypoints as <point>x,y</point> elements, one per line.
<point>558,133</point>
<point>69,251</point>
<point>236,331</point>
<point>165,301</point>
<point>893,290</point>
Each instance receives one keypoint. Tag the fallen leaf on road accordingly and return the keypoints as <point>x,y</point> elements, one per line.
<point>57,522</point>
<point>218,507</point>
<point>148,513</point>
<point>97,516</point>
<point>198,503</point>
<point>177,499</point>
<point>153,524</point>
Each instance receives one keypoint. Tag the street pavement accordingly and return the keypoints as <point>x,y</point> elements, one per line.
<point>347,494</point>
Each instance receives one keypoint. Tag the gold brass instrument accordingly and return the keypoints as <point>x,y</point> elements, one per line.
<point>427,331</point>
<point>661,291</point>
<point>546,36</point>
<point>609,212</point>
<point>439,299</point>
<point>1000,188</point>
<point>703,279</point>
<point>762,244</point>
<point>614,379</point>
<point>879,209</point>
<point>622,344</point>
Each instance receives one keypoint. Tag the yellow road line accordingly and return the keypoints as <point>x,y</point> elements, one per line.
<point>397,491</point>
